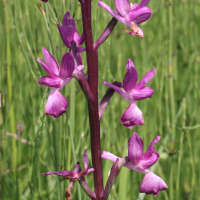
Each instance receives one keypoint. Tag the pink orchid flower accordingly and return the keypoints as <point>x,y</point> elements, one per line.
<point>130,15</point>
<point>132,92</point>
<point>56,104</point>
<point>76,173</point>
<point>140,162</point>
<point>70,34</point>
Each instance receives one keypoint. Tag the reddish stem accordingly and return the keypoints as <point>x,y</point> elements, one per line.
<point>92,61</point>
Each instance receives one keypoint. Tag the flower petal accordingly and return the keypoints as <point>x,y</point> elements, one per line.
<point>147,77</point>
<point>80,40</point>
<point>135,149</point>
<point>131,76</point>
<point>50,81</point>
<point>142,4</point>
<point>73,176</point>
<point>134,14</point>
<point>152,184</point>
<point>146,163</point>
<point>133,6</point>
<point>142,93</point>
<point>63,34</point>
<point>122,7</point>
<point>114,14</point>
<point>90,170</point>
<point>61,173</point>
<point>77,168</point>
<point>120,91</point>
<point>78,73</point>
<point>66,173</point>
<point>136,168</point>
<point>80,67</point>
<point>109,156</point>
<point>67,65</point>
<point>132,116</point>
<point>49,173</point>
<point>142,18</point>
<point>151,148</point>
<point>56,103</point>
<point>51,65</point>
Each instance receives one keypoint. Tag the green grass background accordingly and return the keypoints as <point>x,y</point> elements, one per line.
<point>171,45</point>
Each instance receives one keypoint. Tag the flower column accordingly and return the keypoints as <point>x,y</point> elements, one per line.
<point>92,60</point>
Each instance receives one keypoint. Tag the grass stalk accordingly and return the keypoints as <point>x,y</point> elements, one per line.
<point>180,152</point>
<point>56,157</point>
<point>10,95</point>
<point>170,71</point>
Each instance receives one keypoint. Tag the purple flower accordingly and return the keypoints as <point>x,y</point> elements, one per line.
<point>140,162</point>
<point>129,14</point>
<point>56,104</point>
<point>44,0</point>
<point>69,32</point>
<point>76,173</point>
<point>131,92</point>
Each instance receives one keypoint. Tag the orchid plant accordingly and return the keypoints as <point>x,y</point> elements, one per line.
<point>71,67</point>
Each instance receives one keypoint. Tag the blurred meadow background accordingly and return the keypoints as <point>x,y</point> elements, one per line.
<point>32,143</point>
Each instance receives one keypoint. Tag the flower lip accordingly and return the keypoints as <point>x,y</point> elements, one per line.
<point>132,116</point>
<point>56,103</point>
<point>152,184</point>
